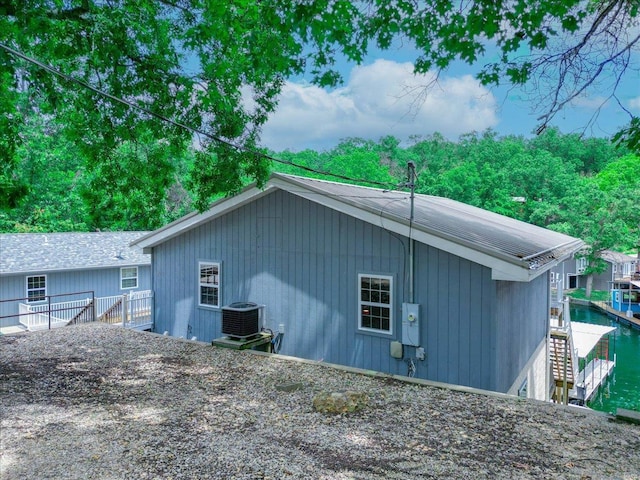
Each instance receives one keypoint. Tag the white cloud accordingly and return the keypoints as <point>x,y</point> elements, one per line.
<point>591,103</point>
<point>379,99</point>
<point>634,104</point>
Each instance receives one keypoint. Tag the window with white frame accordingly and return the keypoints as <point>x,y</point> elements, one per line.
<point>128,278</point>
<point>376,303</point>
<point>582,264</point>
<point>209,284</point>
<point>36,288</point>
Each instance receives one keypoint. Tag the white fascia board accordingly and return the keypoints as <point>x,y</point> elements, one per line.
<point>500,269</point>
<point>194,220</point>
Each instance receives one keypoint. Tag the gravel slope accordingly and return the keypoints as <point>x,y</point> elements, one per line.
<point>101,402</point>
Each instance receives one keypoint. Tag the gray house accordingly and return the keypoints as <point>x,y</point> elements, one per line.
<point>36,267</point>
<point>457,295</point>
<point>618,266</point>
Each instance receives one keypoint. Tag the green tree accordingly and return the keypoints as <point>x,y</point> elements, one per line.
<point>603,211</point>
<point>193,62</point>
<point>51,171</point>
<point>118,198</point>
<point>621,179</point>
<point>198,63</point>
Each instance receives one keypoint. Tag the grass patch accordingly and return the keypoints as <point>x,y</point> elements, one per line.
<point>596,295</point>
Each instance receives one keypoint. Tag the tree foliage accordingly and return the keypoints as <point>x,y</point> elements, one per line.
<point>583,187</point>
<point>112,73</point>
<point>141,63</point>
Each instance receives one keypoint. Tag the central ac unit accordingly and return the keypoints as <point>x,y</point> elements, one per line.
<point>241,320</point>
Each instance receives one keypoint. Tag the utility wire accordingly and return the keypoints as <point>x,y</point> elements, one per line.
<point>197,131</point>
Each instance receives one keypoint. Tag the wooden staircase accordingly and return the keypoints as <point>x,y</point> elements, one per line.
<point>562,354</point>
<point>85,315</point>
<point>562,359</point>
<point>113,314</point>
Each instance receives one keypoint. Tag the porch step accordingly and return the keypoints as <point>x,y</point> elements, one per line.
<point>12,329</point>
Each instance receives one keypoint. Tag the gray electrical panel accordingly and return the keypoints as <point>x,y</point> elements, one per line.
<point>411,324</point>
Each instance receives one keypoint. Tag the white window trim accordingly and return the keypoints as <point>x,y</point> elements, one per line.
<point>582,264</point>
<point>390,305</point>
<point>27,289</point>
<point>200,285</point>
<point>122,278</point>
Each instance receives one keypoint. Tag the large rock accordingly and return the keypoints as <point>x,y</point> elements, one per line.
<point>340,402</point>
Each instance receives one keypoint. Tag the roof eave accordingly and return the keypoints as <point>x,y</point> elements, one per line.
<point>195,219</point>
<point>503,267</point>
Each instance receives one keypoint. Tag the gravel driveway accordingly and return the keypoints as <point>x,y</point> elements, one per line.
<point>101,402</point>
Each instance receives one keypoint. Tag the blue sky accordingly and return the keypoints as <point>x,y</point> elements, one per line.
<point>379,98</point>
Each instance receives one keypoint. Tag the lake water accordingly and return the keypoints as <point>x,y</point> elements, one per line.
<point>622,389</point>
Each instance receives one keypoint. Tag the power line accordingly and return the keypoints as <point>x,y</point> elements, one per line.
<point>175,123</point>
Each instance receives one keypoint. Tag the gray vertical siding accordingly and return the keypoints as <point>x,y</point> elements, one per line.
<point>104,282</point>
<point>601,281</point>
<point>522,319</point>
<point>302,261</point>
<point>456,298</point>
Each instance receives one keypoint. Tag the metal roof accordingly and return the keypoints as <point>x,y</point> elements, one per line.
<point>49,252</point>
<point>514,250</point>
<point>586,336</point>
<point>461,223</point>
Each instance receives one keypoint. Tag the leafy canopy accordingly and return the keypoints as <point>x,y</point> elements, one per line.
<point>217,66</point>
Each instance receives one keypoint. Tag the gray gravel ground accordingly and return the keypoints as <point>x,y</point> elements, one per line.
<point>100,402</point>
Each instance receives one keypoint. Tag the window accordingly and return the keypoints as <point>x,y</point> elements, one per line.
<point>36,288</point>
<point>128,278</point>
<point>376,303</point>
<point>209,284</point>
<point>582,264</point>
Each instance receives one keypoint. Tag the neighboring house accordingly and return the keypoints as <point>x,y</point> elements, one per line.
<point>625,297</point>
<point>618,266</point>
<point>332,265</point>
<point>37,266</point>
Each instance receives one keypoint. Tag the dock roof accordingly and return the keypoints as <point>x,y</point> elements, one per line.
<point>22,253</point>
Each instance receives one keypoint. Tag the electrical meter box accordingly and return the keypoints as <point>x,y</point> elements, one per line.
<point>411,324</point>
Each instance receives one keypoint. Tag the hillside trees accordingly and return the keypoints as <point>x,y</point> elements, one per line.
<point>63,193</point>
<point>603,211</point>
<point>112,72</point>
<point>116,197</point>
<point>50,173</point>
<point>583,187</point>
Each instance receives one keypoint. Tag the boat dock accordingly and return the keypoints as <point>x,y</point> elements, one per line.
<point>592,347</point>
<point>590,379</point>
<point>604,307</point>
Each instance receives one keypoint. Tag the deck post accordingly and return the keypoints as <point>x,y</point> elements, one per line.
<point>565,384</point>
<point>93,306</point>
<point>125,309</point>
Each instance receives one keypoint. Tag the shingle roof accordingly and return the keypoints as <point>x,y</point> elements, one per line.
<point>514,250</point>
<point>48,252</point>
<point>617,257</point>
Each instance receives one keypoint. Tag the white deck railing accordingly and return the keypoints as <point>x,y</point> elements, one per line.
<point>135,311</point>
